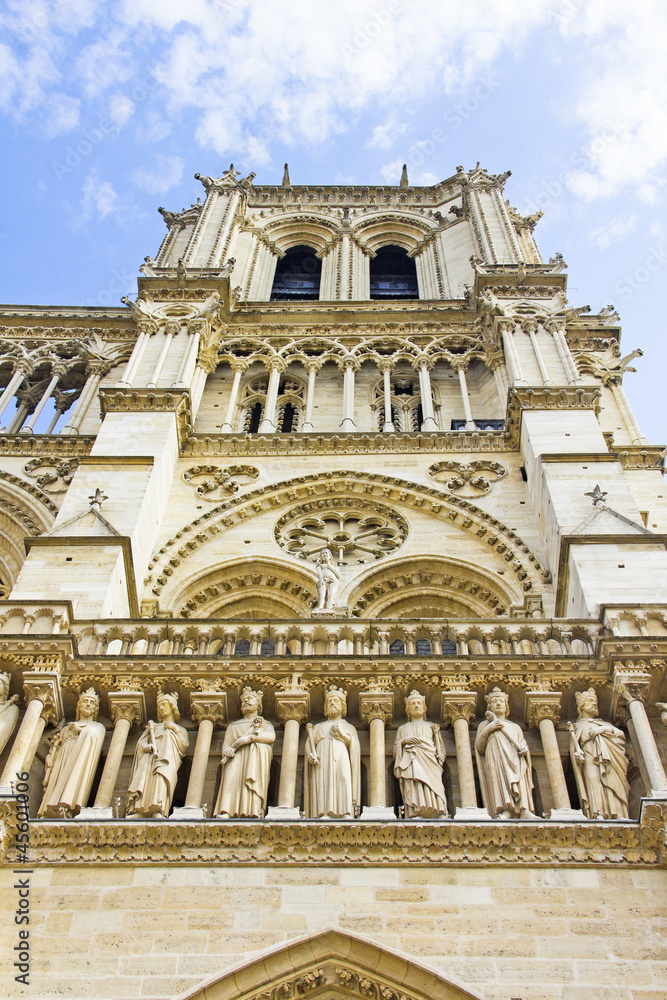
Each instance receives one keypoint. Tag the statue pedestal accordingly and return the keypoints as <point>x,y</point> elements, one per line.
<point>284,813</point>
<point>567,815</point>
<point>377,813</point>
<point>471,815</point>
<point>187,812</point>
<point>93,813</point>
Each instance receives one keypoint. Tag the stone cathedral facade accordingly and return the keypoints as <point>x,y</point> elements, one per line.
<point>333,631</point>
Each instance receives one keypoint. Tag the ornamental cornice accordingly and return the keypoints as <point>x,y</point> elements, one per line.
<point>45,445</point>
<point>650,457</point>
<point>352,843</point>
<point>348,484</point>
<point>175,401</point>
<point>544,398</point>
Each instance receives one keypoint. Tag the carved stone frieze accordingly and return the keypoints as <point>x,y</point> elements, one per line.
<point>212,483</point>
<point>471,479</point>
<point>352,843</point>
<point>52,475</point>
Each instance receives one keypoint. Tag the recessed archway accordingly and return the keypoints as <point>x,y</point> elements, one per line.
<point>332,964</point>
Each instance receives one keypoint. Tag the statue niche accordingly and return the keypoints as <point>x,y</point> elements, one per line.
<point>597,751</point>
<point>332,776</point>
<point>157,758</point>
<point>246,762</point>
<point>503,761</point>
<point>419,755</point>
<point>72,760</point>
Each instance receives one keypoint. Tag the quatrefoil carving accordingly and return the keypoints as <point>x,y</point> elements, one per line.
<point>212,482</point>
<point>468,479</point>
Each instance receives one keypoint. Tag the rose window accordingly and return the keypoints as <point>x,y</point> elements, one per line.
<point>351,535</point>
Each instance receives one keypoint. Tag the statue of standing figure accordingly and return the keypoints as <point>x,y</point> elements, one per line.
<point>72,760</point>
<point>419,755</point>
<point>247,752</point>
<point>9,711</point>
<point>157,758</point>
<point>332,777</point>
<point>597,752</point>
<point>327,581</point>
<point>503,762</point>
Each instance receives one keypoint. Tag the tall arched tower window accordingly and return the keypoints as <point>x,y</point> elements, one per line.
<point>297,275</point>
<point>393,274</point>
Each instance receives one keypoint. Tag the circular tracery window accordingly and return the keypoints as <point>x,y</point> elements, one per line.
<point>353,530</point>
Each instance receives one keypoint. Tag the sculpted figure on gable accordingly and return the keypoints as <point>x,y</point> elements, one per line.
<point>333,763</point>
<point>157,758</point>
<point>597,751</point>
<point>246,762</point>
<point>503,761</point>
<point>72,760</point>
<point>419,755</point>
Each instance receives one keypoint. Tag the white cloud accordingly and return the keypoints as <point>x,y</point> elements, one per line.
<point>384,136</point>
<point>155,128</point>
<point>391,172</point>
<point>614,230</point>
<point>164,174</point>
<point>62,114</point>
<point>98,199</point>
<point>121,109</point>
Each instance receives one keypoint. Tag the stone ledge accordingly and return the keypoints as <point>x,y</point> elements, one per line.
<point>251,842</point>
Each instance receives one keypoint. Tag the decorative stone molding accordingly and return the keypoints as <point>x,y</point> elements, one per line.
<point>175,401</point>
<point>44,686</point>
<point>218,481</point>
<point>351,486</point>
<point>47,445</point>
<point>376,704</point>
<point>543,398</point>
<point>292,703</point>
<point>352,843</point>
<point>52,475</point>
<point>629,685</point>
<point>210,705</point>
<point>458,705</point>
<point>468,478</point>
<point>129,705</point>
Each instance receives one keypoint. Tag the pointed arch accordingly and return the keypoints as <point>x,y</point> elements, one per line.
<point>24,510</point>
<point>332,963</point>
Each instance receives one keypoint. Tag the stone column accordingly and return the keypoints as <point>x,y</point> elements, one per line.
<point>424,366</point>
<point>458,708</point>
<point>95,376</point>
<point>172,327</point>
<point>189,360</point>
<point>460,367</point>
<point>385,366</point>
<point>208,709</point>
<point>631,688</point>
<point>349,367</point>
<point>41,689</point>
<point>238,367</point>
<point>126,708</point>
<point>268,424</point>
<point>506,327</point>
<point>530,327</point>
<point>543,713</point>
<point>58,372</point>
<point>145,330</point>
<point>376,708</point>
<point>292,708</point>
<point>15,383</point>
<point>312,367</point>
<point>556,327</point>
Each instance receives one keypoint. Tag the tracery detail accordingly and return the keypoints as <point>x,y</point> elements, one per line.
<point>347,528</point>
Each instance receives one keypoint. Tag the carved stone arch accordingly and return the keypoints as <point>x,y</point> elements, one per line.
<point>247,588</point>
<point>322,490</point>
<point>397,229</point>
<point>429,587</point>
<point>305,230</point>
<point>24,510</point>
<point>332,964</point>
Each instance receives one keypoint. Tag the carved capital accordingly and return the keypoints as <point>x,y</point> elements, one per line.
<point>208,705</point>
<point>458,705</point>
<point>542,705</point>
<point>128,705</point>
<point>459,364</point>
<point>238,365</point>
<point>529,325</point>
<point>276,364</point>
<point>312,365</point>
<point>385,365</point>
<point>376,705</point>
<point>629,685</point>
<point>346,364</point>
<point>44,686</point>
<point>292,705</point>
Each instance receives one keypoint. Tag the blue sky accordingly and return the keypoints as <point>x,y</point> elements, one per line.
<point>108,109</point>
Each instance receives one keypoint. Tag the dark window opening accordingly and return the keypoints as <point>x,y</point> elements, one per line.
<point>268,648</point>
<point>255,417</point>
<point>288,420</point>
<point>524,474</point>
<point>297,275</point>
<point>423,647</point>
<point>448,647</point>
<point>403,388</point>
<point>481,425</point>
<point>242,648</point>
<point>393,275</point>
<point>420,417</point>
<point>397,647</point>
